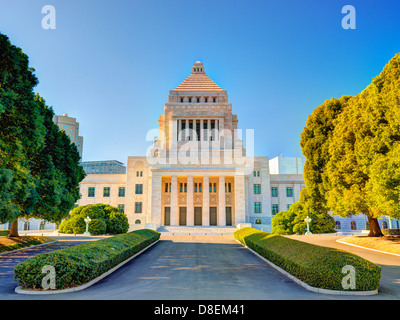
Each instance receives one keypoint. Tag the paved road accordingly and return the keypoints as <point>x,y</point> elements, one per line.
<point>193,268</point>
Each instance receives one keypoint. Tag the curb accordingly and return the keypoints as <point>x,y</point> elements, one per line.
<point>36,245</point>
<point>358,246</point>
<point>85,285</point>
<point>308,287</point>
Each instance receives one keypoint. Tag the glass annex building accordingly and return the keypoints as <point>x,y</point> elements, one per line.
<point>104,167</point>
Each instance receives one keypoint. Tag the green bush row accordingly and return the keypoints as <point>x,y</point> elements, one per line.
<point>318,266</point>
<point>77,265</point>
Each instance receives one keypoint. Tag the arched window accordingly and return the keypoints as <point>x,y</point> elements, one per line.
<point>42,225</point>
<point>26,225</point>
<point>384,225</point>
<point>258,221</point>
<point>138,221</point>
<point>338,226</point>
<point>353,225</point>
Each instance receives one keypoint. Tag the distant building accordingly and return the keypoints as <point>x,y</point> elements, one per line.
<point>71,128</point>
<point>285,165</point>
<point>104,167</point>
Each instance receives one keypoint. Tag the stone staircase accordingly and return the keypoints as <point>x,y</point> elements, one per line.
<point>184,230</point>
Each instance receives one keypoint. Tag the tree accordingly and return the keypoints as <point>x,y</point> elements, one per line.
<point>39,166</point>
<point>292,220</point>
<point>360,172</point>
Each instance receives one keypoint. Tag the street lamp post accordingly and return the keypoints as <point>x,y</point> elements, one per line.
<point>308,220</point>
<point>87,221</point>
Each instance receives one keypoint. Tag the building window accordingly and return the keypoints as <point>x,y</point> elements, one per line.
<point>181,99</point>
<point>121,208</point>
<point>353,225</point>
<point>257,207</point>
<point>338,225</point>
<point>257,188</point>
<point>228,187</point>
<point>138,189</point>
<point>167,187</point>
<point>289,192</point>
<point>91,192</point>
<point>384,225</point>
<point>275,209</point>
<point>213,187</point>
<point>256,173</point>
<point>27,225</point>
<point>198,100</point>
<point>197,187</point>
<point>274,191</point>
<point>183,187</point>
<point>139,173</point>
<point>214,100</point>
<point>42,225</point>
<point>258,221</point>
<point>206,99</point>
<point>288,206</point>
<point>106,191</point>
<point>121,192</point>
<point>138,221</point>
<point>138,207</point>
<point>190,100</point>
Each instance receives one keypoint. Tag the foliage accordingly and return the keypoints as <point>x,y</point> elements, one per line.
<point>115,222</point>
<point>80,264</point>
<point>292,220</point>
<point>352,150</point>
<point>317,266</point>
<point>97,226</point>
<point>39,166</point>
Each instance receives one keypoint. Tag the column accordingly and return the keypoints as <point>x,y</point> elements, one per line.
<point>189,202</point>
<point>174,201</point>
<point>206,201</point>
<point>221,202</point>
<point>240,201</point>
<point>156,199</point>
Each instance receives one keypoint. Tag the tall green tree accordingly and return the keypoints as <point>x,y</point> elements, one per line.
<point>360,173</point>
<point>39,166</point>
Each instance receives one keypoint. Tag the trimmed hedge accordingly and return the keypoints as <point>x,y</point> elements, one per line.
<point>77,265</point>
<point>318,266</point>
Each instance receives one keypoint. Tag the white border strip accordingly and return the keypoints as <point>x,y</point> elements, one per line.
<point>308,287</point>
<point>30,247</point>
<point>83,286</point>
<point>358,246</point>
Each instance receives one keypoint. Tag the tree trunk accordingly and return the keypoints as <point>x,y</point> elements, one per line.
<point>375,230</point>
<point>14,229</point>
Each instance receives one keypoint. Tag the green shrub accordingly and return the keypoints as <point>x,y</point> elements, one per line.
<point>97,226</point>
<point>317,266</point>
<point>77,265</point>
<point>116,222</point>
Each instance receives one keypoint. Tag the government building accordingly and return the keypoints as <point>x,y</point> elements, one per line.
<point>200,170</point>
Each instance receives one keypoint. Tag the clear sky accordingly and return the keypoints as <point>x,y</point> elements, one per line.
<point>111,64</point>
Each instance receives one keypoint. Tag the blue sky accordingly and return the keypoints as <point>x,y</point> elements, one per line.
<point>111,64</point>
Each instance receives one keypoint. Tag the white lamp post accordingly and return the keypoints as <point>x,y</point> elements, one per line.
<point>308,220</point>
<point>87,221</point>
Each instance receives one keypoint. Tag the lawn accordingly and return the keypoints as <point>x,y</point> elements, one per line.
<point>10,244</point>
<point>387,244</point>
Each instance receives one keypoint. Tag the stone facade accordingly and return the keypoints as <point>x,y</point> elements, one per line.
<point>198,172</point>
